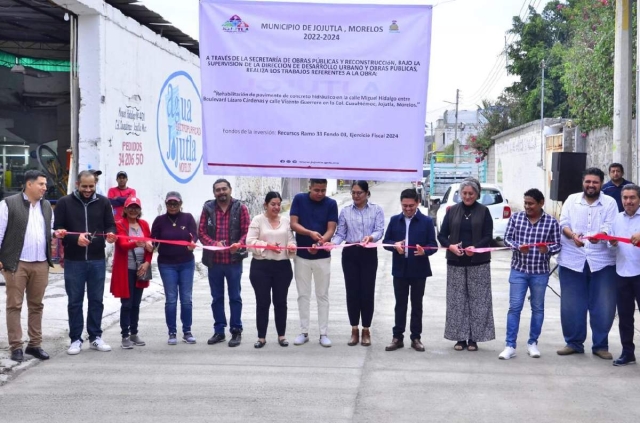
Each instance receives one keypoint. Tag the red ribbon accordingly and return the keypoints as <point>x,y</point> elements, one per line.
<point>281,248</point>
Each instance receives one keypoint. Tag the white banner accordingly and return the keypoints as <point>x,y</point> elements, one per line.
<point>314,90</point>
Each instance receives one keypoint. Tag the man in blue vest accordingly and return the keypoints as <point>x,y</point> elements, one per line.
<point>224,222</point>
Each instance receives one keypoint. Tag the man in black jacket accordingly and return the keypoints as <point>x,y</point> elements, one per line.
<point>89,218</point>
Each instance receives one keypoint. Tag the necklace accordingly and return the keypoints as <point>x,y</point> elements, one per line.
<point>172,221</point>
<point>467,216</point>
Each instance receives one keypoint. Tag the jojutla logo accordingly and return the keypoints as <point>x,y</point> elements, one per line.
<point>235,24</point>
<point>179,126</point>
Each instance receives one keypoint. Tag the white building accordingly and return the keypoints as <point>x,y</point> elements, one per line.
<point>469,123</point>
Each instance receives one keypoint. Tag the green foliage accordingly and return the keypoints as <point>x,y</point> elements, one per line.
<point>588,66</point>
<point>499,116</point>
<point>576,40</point>
<point>540,38</point>
<point>447,154</point>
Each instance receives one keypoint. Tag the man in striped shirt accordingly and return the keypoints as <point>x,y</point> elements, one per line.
<point>534,236</point>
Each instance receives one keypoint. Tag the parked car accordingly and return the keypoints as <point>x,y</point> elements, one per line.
<point>424,196</point>
<point>490,196</point>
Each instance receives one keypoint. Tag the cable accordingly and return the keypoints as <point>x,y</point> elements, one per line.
<point>496,71</point>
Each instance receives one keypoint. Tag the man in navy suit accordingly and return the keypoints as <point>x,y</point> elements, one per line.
<point>414,239</point>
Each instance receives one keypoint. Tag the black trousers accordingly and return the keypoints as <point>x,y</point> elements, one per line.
<point>130,307</point>
<point>628,297</point>
<point>401,288</point>
<point>269,276</point>
<point>360,265</point>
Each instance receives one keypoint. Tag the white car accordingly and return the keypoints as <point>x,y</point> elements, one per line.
<point>490,196</point>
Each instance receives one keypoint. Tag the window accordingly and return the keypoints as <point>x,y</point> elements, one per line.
<point>487,197</point>
<point>446,195</point>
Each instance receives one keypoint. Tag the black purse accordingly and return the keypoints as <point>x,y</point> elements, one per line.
<point>147,275</point>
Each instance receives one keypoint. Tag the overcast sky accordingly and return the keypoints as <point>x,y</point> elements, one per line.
<point>467,46</point>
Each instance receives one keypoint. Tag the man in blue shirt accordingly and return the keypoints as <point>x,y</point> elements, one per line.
<point>613,188</point>
<point>314,218</point>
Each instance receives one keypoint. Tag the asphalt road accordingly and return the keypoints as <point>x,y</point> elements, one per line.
<point>158,383</point>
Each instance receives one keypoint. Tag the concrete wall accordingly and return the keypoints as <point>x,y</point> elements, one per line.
<point>140,112</point>
<point>517,154</point>
<point>599,148</point>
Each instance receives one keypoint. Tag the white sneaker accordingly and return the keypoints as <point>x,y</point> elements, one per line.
<point>325,341</point>
<point>507,353</point>
<point>75,347</point>
<point>533,350</point>
<point>98,344</point>
<point>301,339</point>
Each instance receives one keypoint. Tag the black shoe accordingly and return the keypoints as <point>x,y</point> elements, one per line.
<point>217,337</point>
<point>236,338</point>
<point>37,352</point>
<point>624,360</point>
<point>17,355</point>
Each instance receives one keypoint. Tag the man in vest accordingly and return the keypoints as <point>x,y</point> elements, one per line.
<point>25,257</point>
<point>224,222</point>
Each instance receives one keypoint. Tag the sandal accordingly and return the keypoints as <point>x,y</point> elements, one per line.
<point>283,342</point>
<point>460,346</point>
<point>473,346</point>
<point>259,344</point>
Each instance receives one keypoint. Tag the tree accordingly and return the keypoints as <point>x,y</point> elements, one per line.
<point>542,37</point>
<point>499,116</point>
<point>588,62</point>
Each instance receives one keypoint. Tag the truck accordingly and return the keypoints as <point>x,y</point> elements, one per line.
<point>443,174</point>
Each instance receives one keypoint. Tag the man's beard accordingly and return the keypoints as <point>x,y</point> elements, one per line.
<point>594,195</point>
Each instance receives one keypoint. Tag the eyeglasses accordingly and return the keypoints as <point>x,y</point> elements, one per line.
<point>357,193</point>
<point>133,208</point>
<point>173,204</point>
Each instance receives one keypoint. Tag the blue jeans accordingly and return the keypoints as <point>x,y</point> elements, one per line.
<point>233,273</point>
<point>77,274</point>
<point>519,282</point>
<point>584,291</point>
<point>178,279</point>
<point>130,307</point>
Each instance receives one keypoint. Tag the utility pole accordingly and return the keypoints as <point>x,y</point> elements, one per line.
<point>456,144</point>
<point>622,144</point>
<point>542,144</point>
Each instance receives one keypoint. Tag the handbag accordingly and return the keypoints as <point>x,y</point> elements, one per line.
<point>147,275</point>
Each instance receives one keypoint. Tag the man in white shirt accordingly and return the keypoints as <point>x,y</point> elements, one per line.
<point>627,225</point>
<point>25,256</point>
<point>587,267</point>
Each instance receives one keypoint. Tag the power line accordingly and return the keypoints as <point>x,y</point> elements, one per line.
<point>498,70</point>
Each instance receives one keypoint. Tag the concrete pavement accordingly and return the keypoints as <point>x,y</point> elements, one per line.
<point>339,384</point>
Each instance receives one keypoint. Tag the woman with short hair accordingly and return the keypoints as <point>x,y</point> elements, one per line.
<point>466,226</point>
